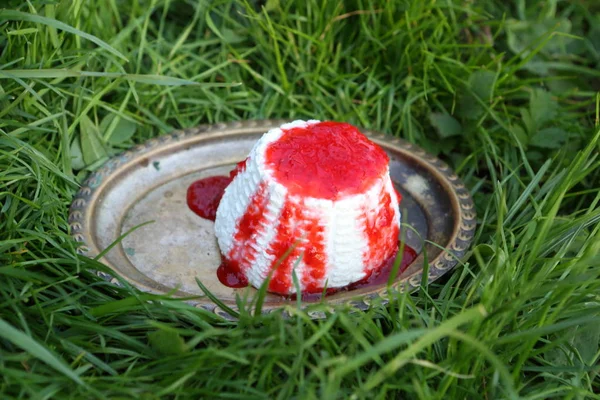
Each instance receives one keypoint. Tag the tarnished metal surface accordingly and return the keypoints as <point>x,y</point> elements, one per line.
<point>149,183</point>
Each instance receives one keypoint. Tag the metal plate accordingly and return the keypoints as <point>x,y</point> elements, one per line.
<point>149,183</point>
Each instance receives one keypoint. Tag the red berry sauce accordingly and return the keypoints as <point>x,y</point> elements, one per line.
<point>380,276</point>
<point>315,161</point>
<point>381,231</point>
<point>204,195</point>
<point>230,275</point>
<point>243,252</point>
<point>295,221</point>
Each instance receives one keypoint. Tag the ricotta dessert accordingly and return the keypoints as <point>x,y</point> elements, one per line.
<point>312,197</point>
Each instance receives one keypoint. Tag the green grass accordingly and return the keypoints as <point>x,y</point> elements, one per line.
<point>506,92</point>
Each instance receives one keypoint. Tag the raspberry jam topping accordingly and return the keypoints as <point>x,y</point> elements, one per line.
<point>319,160</point>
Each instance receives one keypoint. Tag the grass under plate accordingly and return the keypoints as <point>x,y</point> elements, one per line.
<point>504,91</point>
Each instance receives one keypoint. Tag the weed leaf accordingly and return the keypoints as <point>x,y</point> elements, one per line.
<point>76,154</point>
<point>542,107</point>
<point>166,342</point>
<point>91,144</point>
<point>445,125</point>
<point>119,131</point>
<point>549,138</point>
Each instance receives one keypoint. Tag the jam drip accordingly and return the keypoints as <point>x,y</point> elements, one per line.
<point>204,195</point>
<point>380,276</point>
<point>230,275</point>
<point>294,221</point>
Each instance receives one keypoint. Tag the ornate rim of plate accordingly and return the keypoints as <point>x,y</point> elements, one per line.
<point>92,193</point>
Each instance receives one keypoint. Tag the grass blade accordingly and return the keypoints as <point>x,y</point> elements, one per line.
<point>22,340</point>
<point>13,15</point>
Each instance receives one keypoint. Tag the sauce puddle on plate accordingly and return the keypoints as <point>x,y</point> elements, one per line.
<point>203,197</point>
